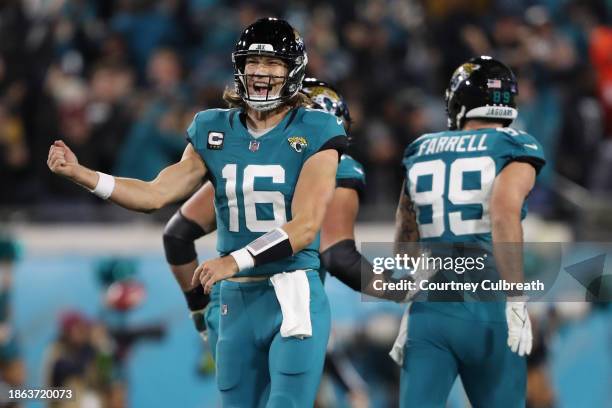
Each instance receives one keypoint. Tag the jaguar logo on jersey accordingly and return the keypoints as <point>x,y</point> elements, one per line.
<point>298,143</point>
<point>215,140</point>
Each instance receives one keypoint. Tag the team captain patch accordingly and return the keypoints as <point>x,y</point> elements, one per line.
<point>298,143</point>
<point>215,140</point>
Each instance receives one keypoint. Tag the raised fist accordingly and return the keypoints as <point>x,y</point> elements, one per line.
<point>62,160</point>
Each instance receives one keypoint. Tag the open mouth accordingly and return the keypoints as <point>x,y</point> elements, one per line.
<point>261,88</point>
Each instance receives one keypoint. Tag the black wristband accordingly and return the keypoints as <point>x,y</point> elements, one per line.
<point>196,298</point>
<point>270,247</point>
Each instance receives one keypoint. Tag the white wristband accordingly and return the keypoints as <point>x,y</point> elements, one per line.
<point>243,259</point>
<point>105,186</point>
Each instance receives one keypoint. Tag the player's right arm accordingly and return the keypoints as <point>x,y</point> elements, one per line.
<point>193,220</point>
<point>509,192</point>
<point>171,184</point>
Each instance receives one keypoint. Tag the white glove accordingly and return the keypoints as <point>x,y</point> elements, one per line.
<point>423,272</point>
<point>397,351</point>
<point>519,326</point>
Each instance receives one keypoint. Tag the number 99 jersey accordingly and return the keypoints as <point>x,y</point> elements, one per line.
<point>255,178</point>
<point>450,175</point>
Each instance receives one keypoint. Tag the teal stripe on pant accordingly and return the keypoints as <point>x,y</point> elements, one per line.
<point>441,346</point>
<point>211,318</point>
<point>256,366</point>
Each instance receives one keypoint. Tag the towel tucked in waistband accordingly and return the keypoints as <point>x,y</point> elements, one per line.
<point>293,293</point>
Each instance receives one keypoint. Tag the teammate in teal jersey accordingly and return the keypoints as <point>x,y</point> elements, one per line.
<point>196,218</point>
<point>469,185</point>
<point>273,165</point>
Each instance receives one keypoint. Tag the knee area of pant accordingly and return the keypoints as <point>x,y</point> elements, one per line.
<point>281,400</point>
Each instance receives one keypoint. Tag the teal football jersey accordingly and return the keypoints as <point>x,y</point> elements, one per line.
<point>255,178</point>
<point>350,174</point>
<point>449,177</point>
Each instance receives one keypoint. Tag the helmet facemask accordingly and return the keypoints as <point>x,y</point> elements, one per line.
<point>288,86</point>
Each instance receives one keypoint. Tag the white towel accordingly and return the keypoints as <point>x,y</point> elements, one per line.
<point>397,351</point>
<point>293,293</point>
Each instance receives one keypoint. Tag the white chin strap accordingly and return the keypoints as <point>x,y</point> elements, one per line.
<point>263,105</point>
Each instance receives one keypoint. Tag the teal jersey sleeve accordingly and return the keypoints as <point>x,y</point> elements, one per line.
<point>350,174</point>
<point>203,131</point>
<point>521,146</point>
<point>191,132</point>
<point>327,132</point>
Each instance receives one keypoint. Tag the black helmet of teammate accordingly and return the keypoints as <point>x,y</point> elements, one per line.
<point>270,37</point>
<point>482,88</point>
<point>327,98</point>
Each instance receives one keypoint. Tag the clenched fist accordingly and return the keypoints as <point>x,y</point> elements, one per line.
<point>62,160</point>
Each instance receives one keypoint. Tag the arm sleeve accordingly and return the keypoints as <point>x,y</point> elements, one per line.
<point>345,263</point>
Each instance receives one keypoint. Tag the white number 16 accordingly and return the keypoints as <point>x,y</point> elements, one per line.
<point>252,197</point>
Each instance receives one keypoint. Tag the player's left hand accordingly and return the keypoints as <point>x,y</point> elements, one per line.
<point>520,337</point>
<point>214,270</point>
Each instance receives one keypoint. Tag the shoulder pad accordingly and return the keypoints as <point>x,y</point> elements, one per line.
<point>315,116</point>
<point>516,136</point>
<point>210,115</point>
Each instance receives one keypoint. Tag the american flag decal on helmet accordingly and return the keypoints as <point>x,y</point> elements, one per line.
<point>494,83</point>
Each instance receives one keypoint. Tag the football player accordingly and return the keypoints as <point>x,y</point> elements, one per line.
<point>469,185</point>
<point>272,163</point>
<point>339,254</point>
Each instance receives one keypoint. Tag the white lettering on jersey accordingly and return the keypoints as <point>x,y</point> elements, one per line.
<point>460,144</point>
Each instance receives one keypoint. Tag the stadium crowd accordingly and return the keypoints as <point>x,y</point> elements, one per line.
<point>120,80</point>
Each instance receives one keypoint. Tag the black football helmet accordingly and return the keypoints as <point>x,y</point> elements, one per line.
<point>327,98</point>
<point>276,38</point>
<point>482,88</point>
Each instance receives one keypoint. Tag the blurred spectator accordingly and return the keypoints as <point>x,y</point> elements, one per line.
<point>120,80</point>
<point>147,25</point>
<point>71,362</point>
<point>108,110</point>
<point>157,139</point>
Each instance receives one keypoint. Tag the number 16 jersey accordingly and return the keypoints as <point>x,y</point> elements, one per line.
<point>255,178</point>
